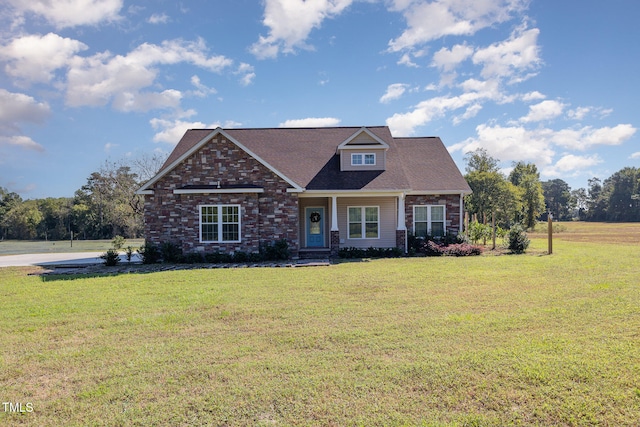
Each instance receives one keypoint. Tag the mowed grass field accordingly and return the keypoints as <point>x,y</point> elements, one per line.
<point>531,339</point>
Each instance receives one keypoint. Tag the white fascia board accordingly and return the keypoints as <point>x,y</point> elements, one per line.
<point>217,190</point>
<point>145,192</point>
<point>352,193</point>
<point>345,143</point>
<point>437,192</point>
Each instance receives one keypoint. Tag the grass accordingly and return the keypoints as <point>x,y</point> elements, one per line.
<point>17,247</point>
<point>483,341</point>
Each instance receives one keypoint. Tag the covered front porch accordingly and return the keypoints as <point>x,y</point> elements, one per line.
<point>330,221</point>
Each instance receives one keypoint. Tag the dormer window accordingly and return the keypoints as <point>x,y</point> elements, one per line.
<point>360,159</point>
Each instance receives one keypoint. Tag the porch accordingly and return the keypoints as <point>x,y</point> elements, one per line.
<point>332,221</point>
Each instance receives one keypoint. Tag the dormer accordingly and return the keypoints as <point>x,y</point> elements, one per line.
<point>363,151</point>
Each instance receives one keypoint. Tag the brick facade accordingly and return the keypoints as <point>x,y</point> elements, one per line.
<point>264,217</point>
<point>452,210</point>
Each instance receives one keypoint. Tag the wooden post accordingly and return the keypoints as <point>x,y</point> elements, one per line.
<point>71,238</point>
<point>550,232</point>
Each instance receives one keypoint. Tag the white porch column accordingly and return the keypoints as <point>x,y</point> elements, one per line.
<point>402,224</point>
<point>461,212</point>
<point>334,213</point>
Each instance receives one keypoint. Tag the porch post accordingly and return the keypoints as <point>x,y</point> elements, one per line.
<point>401,229</point>
<point>335,232</point>
<point>461,212</point>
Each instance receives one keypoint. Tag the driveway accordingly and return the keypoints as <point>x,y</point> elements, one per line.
<point>58,259</point>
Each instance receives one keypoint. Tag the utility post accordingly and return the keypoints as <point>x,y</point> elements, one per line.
<point>550,232</point>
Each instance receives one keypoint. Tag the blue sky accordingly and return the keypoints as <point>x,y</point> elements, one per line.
<point>549,82</point>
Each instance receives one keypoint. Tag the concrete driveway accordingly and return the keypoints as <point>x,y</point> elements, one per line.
<point>67,259</point>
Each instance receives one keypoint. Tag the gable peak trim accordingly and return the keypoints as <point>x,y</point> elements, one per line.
<point>377,141</point>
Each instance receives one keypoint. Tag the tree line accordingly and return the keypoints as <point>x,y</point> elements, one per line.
<point>107,206</point>
<point>104,207</point>
<point>522,198</point>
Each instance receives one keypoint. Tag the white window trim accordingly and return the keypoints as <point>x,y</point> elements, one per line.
<point>220,223</point>
<point>363,157</point>
<point>363,228</point>
<point>429,221</point>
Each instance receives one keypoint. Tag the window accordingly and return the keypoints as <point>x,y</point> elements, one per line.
<point>364,222</point>
<point>220,223</point>
<point>359,159</point>
<point>429,220</point>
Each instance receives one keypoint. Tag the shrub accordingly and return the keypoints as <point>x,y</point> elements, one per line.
<point>217,258</point>
<point>355,253</point>
<point>517,239</point>
<point>118,242</point>
<point>111,257</point>
<point>432,248</point>
<point>149,253</point>
<point>171,252</point>
<point>278,251</point>
<point>192,258</point>
<point>240,256</point>
<point>478,232</point>
<point>129,253</point>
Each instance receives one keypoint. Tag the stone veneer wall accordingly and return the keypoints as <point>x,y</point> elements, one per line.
<point>451,201</point>
<point>265,217</point>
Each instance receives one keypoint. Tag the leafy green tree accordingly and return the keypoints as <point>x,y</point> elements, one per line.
<point>526,177</point>
<point>558,199</point>
<point>491,190</point>
<point>8,201</point>
<point>622,190</point>
<point>23,220</point>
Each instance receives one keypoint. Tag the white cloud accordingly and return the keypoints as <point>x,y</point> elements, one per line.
<point>109,146</point>
<point>570,163</point>
<point>394,91</point>
<point>104,78</point>
<point>202,90</point>
<point>246,73</point>
<point>291,21</point>
<point>70,13</point>
<point>35,58</point>
<point>588,137</point>
<point>545,110</point>
<point>16,108</point>
<point>448,59</point>
<point>476,92</point>
<point>427,21</point>
<point>158,18</point>
<point>512,143</point>
<point>22,142</point>
<point>310,122</point>
<point>171,131</point>
<point>533,96</point>
<point>579,113</point>
<point>635,155</point>
<point>510,58</point>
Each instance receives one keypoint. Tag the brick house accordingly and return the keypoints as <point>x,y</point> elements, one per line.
<point>320,189</point>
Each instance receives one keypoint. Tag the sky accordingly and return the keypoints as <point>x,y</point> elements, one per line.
<point>82,82</point>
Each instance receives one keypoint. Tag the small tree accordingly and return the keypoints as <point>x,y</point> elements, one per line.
<point>517,239</point>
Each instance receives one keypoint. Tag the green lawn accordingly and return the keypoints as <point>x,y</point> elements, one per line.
<point>17,247</point>
<point>483,341</point>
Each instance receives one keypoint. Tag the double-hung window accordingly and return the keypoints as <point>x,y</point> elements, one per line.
<point>364,222</point>
<point>219,223</point>
<point>360,159</point>
<point>429,220</point>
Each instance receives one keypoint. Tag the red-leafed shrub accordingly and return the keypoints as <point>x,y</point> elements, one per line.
<point>431,248</point>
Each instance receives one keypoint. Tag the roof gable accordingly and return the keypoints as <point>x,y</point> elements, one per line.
<point>363,139</point>
<point>186,147</point>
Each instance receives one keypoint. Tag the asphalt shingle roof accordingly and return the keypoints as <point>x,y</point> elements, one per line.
<point>308,157</point>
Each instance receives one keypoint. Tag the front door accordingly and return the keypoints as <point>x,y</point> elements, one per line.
<point>315,226</point>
